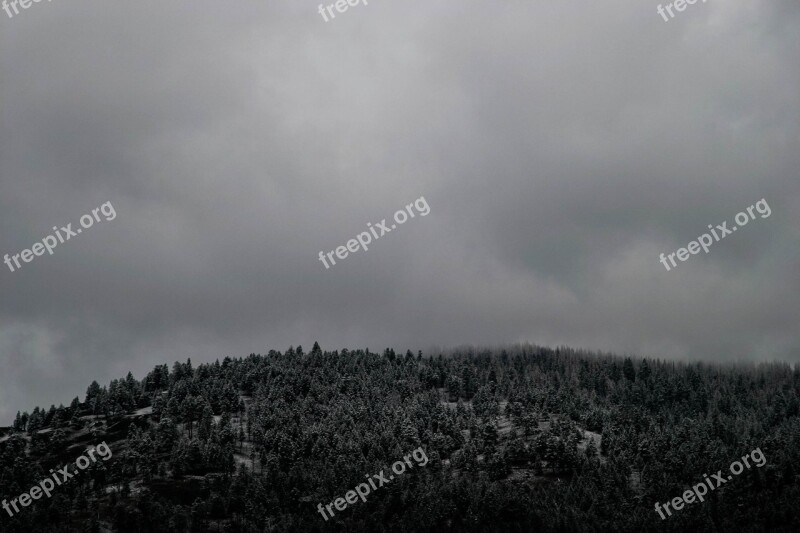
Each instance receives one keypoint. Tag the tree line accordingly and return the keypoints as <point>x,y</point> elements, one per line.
<point>519,439</point>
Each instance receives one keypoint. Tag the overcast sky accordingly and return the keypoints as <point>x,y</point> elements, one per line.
<point>561,147</point>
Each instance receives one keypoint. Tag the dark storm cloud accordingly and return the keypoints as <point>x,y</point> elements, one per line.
<point>561,149</point>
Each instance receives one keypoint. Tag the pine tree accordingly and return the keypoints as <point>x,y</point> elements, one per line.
<point>627,369</point>
<point>206,423</point>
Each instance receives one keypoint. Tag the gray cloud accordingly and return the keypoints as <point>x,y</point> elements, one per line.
<point>561,147</point>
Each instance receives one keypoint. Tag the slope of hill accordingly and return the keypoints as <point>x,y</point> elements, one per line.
<point>528,439</point>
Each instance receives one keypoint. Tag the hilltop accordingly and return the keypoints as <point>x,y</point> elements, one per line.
<point>525,438</point>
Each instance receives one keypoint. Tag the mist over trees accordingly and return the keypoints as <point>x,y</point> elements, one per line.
<point>520,439</point>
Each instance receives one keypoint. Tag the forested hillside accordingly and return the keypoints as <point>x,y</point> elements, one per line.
<point>523,439</point>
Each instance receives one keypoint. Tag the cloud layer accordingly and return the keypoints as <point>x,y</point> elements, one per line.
<point>561,148</point>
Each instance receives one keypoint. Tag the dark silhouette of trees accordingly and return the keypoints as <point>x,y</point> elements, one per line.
<point>525,439</point>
